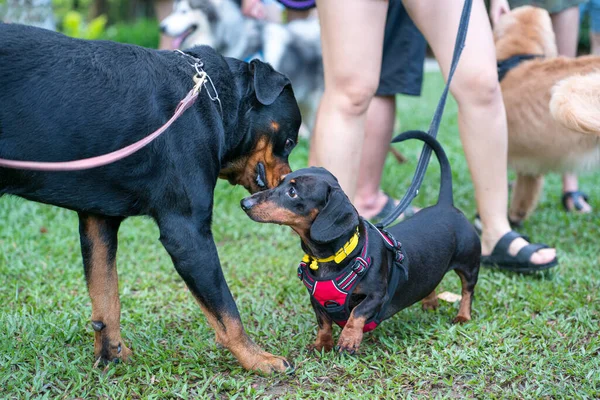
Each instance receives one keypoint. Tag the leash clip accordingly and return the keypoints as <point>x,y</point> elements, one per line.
<point>200,79</point>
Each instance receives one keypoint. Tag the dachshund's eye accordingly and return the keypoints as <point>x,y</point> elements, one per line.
<point>289,145</point>
<point>292,192</point>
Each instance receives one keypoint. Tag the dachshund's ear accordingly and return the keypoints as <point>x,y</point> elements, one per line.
<point>268,83</point>
<point>335,219</point>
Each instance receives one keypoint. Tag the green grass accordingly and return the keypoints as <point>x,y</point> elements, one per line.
<point>531,336</point>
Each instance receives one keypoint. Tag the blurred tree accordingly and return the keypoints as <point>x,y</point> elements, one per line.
<point>98,8</point>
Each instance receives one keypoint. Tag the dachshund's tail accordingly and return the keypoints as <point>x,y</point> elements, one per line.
<point>445,196</point>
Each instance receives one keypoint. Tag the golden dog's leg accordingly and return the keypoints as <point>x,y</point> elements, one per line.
<point>525,196</point>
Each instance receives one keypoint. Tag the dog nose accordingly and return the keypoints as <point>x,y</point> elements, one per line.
<point>162,28</point>
<point>247,203</point>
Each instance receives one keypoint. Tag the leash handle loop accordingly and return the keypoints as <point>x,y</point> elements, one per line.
<point>413,190</point>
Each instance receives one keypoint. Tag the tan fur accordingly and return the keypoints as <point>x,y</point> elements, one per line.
<point>566,139</point>
<point>243,170</point>
<point>103,288</point>
<point>430,302</point>
<point>525,195</point>
<point>464,311</point>
<point>575,103</point>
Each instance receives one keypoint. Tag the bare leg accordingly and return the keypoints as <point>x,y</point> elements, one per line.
<point>352,63</point>
<point>381,114</point>
<point>482,118</point>
<point>566,28</point>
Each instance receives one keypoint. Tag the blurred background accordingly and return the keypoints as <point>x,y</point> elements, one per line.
<point>126,21</point>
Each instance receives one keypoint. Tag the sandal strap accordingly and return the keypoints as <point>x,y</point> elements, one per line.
<point>503,244</point>
<point>526,252</point>
<point>576,197</point>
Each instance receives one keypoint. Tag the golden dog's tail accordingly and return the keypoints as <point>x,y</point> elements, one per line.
<point>575,103</point>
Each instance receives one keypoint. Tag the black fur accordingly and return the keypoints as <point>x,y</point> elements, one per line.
<point>63,99</point>
<point>435,240</point>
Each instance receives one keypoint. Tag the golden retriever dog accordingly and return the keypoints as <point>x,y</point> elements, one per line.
<point>552,106</point>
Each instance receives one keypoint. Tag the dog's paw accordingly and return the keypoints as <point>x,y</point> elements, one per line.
<point>430,305</point>
<point>112,353</point>
<point>268,363</point>
<point>349,342</point>
<point>320,346</point>
<point>460,319</point>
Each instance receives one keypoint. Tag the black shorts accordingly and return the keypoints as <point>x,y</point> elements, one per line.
<point>403,54</point>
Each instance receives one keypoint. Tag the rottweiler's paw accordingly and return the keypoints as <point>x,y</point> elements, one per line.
<point>349,343</point>
<point>460,319</point>
<point>112,353</point>
<point>268,363</point>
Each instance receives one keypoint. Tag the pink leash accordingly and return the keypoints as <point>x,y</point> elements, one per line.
<point>109,158</point>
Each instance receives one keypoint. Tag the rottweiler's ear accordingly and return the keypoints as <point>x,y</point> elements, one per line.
<point>268,83</point>
<point>337,218</point>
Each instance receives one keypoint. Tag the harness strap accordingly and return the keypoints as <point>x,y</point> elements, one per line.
<point>413,190</point>
<point>506,65</point>
<point>334,294</point>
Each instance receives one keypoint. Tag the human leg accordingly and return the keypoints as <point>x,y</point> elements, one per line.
<point>369,199</point>
<point>162,8</point>
<point>482,117</point>
<point>566,27</point>
<point>401,73</point>
<point>352,38</point>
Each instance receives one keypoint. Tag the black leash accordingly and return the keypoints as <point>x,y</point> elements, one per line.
<point>413,190</point>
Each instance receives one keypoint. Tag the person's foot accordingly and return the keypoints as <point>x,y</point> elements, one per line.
<point>577,202</point>
<point>379,206</point>
<point>541,257</point>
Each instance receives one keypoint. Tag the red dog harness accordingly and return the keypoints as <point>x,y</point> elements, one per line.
<point>334,293</point>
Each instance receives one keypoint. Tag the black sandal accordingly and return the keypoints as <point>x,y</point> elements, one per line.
<point>576,198</point>
<point>500,258</point>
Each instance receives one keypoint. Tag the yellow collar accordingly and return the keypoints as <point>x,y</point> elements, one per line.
<point>338,257</point>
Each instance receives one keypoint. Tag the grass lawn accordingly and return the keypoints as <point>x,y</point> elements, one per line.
<point>531,336</point>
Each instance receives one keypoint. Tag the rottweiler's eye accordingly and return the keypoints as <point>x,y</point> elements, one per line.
<point>292,193</point>
<point>289,145</point>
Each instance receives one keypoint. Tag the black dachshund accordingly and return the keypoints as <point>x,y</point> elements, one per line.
<point>63,99</point>
<point>358,275</point>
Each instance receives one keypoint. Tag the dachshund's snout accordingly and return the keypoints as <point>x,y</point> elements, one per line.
<point>247,203</point>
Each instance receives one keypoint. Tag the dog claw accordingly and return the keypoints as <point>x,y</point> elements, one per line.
<point>98,325</point>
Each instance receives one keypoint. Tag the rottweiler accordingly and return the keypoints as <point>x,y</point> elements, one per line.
<point>357,274</point>
<point>64,99</point>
